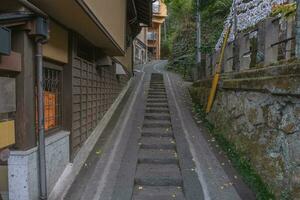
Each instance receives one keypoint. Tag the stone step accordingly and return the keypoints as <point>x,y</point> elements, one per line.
<point>157,105</point>
<point>157,110</point>
<point>157,156</point>
<point>157,94</point>
<point>159,116</point>
<point>157,87</point>
<point>149,98</point>
<point>157,124</point>
<point>158,193</point>
<point>157,143</point>
<point>153,100</point>
<point>157,90</point>
<point>164,100</point>
<point>158,175</point>
<point>157,132</point>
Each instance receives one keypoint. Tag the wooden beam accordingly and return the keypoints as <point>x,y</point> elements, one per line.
<point>25,92</point>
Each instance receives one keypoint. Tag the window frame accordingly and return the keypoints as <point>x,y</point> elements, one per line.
<point>52,65</point>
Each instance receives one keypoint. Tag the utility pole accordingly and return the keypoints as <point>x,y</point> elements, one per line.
<point>198,45</point>
<point>298,30</point>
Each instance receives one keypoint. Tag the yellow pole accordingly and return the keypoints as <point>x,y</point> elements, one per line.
<point>217,74</point>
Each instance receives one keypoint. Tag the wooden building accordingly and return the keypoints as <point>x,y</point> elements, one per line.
<point>87,61</point>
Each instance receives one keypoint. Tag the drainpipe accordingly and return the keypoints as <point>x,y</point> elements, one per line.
<point>40,38</point>
<point>41,130</point>
<point>40,97</point>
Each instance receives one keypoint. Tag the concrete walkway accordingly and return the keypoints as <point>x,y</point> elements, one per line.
<point>153,149</point>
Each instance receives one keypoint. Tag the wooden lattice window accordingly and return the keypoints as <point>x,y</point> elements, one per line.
<point>52,100</point>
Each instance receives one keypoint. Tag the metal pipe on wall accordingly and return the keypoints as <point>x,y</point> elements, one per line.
<point>41,139</point>
<point>39,40</point>
<point>41,145</point>
<point>40,97</point>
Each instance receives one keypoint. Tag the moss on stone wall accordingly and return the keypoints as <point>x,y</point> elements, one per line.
<point>262,124</point>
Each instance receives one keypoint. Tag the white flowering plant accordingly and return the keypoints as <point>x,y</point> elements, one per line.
<point>248,14</point>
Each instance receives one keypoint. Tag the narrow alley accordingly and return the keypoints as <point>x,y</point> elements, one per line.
<point>149,100</point>
<point>154,150</point>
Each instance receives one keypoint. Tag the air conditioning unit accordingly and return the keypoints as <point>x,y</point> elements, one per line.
<point>5,41</point>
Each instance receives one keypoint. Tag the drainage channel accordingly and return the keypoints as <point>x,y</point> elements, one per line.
<point>158,175</point>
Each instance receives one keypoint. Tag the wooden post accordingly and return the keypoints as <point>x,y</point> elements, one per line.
<point>25,93</point>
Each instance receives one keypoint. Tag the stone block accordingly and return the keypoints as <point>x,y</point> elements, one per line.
<point>289,123</point>
<point>289,34</point>
<point>244,54</point>
<point>294,148</point>
<point>23,168</point>
<point>228,58</point>
<point>271,37</point>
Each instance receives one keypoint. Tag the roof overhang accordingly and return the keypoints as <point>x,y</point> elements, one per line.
<point>144,11</point>
<point>74,15</point>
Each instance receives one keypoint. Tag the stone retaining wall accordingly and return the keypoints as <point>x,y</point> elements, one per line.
<point>259,110</point>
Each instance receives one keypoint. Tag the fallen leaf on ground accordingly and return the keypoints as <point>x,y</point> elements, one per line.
<point>98,152</point>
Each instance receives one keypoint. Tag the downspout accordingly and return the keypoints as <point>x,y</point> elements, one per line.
<point>41,139</point>
<point>40,98</point>
<point>39,40</point>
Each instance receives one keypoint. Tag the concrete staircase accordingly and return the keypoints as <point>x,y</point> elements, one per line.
<point>158,175</point>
